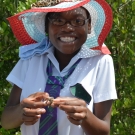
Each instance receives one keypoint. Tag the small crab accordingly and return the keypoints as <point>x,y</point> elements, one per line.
<point>50,99</point>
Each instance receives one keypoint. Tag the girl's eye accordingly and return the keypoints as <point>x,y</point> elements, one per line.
<point>58,21</point>
<point>78,20</point>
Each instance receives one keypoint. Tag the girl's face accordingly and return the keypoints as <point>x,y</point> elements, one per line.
<point>67,38</point>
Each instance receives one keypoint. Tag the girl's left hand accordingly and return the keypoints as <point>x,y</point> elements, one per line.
<point>75,108</point>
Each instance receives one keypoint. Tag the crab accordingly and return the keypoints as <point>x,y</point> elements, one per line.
<point>50,99</point>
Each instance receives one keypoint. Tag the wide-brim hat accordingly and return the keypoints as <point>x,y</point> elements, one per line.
<point>29,26</point>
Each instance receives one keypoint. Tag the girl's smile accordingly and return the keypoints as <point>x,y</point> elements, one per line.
<point>67,39</point>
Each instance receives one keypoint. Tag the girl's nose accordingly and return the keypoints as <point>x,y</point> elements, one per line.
<point>67,27</point>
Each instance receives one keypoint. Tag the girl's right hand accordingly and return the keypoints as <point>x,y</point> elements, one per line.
<point>33,107</point>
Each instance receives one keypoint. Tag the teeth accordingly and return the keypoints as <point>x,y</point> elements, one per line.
<point>67,39</point>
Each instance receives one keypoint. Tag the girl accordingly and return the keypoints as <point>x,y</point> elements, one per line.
<point>64,83</point>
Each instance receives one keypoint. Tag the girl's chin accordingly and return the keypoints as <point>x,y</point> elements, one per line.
<point>70,51</point>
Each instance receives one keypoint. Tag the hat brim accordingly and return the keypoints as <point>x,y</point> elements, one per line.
<point>99,10</point>
<point>17,25</point>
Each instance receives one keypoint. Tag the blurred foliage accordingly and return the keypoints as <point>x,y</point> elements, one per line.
<point>121,42</point>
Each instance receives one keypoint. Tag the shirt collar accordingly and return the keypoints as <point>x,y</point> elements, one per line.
<point>84,52</point>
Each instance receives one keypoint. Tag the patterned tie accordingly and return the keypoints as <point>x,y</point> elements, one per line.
<point>48,121</point>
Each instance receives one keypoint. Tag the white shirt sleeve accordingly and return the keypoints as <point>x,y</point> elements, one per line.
<point>18,73</point>
<point>105,81</point>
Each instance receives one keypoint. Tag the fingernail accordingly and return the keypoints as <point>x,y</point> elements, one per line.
<point>42,110</point>
<point>45,102</point>
<point>39,116</point>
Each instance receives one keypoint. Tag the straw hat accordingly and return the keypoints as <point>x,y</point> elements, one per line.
<point>28,26</point>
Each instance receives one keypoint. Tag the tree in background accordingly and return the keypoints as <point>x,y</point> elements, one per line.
<point>121,42</point>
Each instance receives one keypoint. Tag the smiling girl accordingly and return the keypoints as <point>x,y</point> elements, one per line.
<point>64,82</point>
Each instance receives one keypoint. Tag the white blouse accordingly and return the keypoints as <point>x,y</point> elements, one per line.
<point>95,72</point>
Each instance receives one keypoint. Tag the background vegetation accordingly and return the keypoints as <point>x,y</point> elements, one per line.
<point>121,42</point>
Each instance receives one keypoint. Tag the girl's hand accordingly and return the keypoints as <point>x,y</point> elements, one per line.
<point>75,108</point>
<point>33,107</point>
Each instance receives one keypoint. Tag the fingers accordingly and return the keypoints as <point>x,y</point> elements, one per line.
<point>76,113</point>
<point>68,101</point>
<point>30,120</point>
<point>75,109</point>
<point>31,116</point>
<point>77,118</point>
<point>33,106</point>
<point>39,96</point>
<point>72,108</point>
<point>36,100</point>
<point>75,121</point>
<point>33,112</point>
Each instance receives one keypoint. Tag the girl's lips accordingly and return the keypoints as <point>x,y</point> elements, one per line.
<point>67,39</point>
